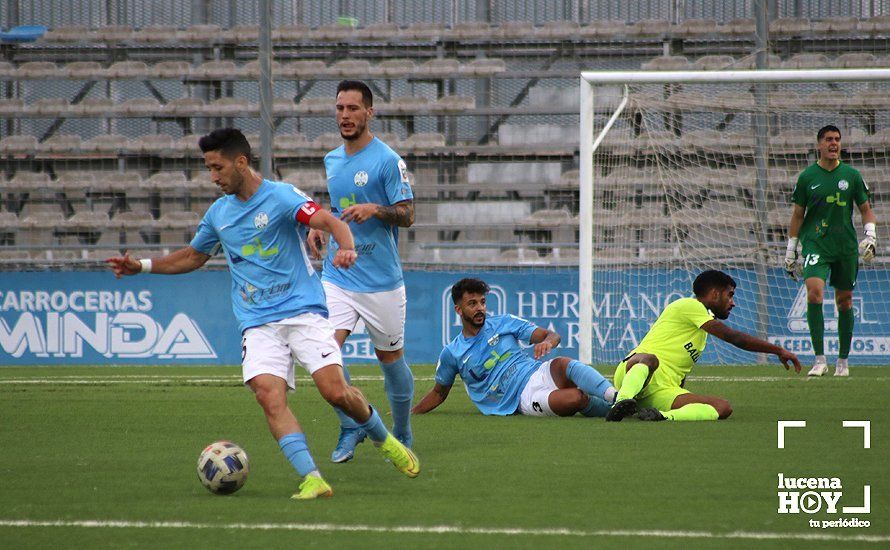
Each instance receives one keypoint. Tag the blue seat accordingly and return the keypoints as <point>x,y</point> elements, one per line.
<point>23,33</point>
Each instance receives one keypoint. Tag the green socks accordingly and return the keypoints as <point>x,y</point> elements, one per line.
<point>633,382</point>
<point>844,332</point>
<point>816,322</point>
<point>692,412</point>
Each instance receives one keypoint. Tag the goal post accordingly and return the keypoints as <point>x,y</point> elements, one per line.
<point>682,171</point>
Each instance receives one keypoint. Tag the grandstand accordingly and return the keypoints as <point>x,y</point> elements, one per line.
<point>102,111</point>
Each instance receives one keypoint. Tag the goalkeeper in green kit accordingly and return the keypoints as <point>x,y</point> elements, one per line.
<point>822,221</point>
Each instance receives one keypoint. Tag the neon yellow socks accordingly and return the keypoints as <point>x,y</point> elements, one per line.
<point>633,382</point>
<point>692,412</point>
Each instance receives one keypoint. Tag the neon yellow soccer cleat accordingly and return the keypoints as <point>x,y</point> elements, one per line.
<point>313,487</point>
<point>401,456</point>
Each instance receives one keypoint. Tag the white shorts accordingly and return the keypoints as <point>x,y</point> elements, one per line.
<point>273,348</point>
<point>383,314</point>
<point>534,400</point>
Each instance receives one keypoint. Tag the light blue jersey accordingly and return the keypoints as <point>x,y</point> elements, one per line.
<point>376,174</point>
<point>265,246</point>
<point>492,364</point>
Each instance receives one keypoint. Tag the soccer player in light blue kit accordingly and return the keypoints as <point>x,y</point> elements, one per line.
<point>369,188</point>
<point>277,298</point>
<point>500,378</point>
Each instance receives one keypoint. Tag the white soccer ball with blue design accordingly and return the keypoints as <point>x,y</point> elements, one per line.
<point>223,467</point>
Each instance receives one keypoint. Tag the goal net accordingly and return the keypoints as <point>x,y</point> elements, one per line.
<point>682,172</point>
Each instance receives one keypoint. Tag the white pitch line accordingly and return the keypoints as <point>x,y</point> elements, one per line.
<point>446,529</point>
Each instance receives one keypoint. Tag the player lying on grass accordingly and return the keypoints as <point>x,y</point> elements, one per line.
<point>652,376</point>
<point>501,379</point>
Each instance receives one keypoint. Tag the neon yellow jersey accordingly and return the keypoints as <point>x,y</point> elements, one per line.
<point>677,340</point>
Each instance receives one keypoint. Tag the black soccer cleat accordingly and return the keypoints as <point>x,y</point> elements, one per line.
<point>621,409</point>
<point>651,414</point>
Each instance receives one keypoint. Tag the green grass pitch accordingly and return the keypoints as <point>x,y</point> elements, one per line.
<point>105,457</point>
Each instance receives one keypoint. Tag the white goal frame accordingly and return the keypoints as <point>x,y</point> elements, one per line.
<point>590,79</point>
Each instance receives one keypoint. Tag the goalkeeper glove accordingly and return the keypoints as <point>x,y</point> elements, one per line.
<point>868,246</point>
<point>792,266</point>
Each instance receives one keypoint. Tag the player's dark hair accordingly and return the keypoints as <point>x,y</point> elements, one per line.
<point>710,279</point>
<point>825,129</point>
<point>230,142</point>
<point>468,286</point>
<point>357,86</point>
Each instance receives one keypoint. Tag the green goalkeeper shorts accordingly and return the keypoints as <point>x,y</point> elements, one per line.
<point>840,272</point>
<point>652,395</point>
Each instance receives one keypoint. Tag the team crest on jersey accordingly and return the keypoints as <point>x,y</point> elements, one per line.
<point>261,220</point>
<point>843,185</point>
<point>361,178</point>
<point>493,341</point>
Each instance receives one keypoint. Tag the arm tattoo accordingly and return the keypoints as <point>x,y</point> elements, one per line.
<point>400,214</point>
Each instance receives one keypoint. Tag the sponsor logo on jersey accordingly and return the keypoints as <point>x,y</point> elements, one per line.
<point>261,220</point>
<point>403,171</point>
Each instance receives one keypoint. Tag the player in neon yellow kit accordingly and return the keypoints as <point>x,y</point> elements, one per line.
<point>651,378</point>
<point>822,218</point>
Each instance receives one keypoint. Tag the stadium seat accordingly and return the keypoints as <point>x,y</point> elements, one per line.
<point>60,144</point>
<point>128,69</point>
<point>694,28</point>
<point>327,141</point>
<point>156,34</point>
<point>113,34</point>
<point>457,103</point>
<point>667,63</point>
<point>424,141</point>
<point>855,60</point>
<point>739,27</point>
<point>37,69</point>
<point>349,68</point>
<point>392,68</point>
<point>604,29</point>
<point>875,25</point>
<point>522,256</point>
<point>333,33</point>
<point>807,61</point>
<point>789,26</point>
<point>108,144</point>
<point>524,135</point>
<point>72,33</point>
<point>252,69</point>
<point>155,144</point>
<point>231,106</point>
<point>290,33</point>
<point>289,144</point>
<point>86,227</point>
<point>558,30</point>
<point>171,69</point>
<point>470,30</point>
<point>316,105</point>
<point>438,68</point>
<point>379,31</point>
<point>240,34</point>
<point>514,30</point>
<point>424,30</point>
<point>50,106</point>
<point>219,70</point>
<point>485,66</point>
<point>309,181</point>
<point>38,228</point>
<point>715,63</point>
<point>308,68</point>
<point>7,69</point>
<point>201,34</point>
<point>184,107</point>
<point>134,227</point>
<point>18,145</point>
<point>84,70</point>
<point>406,105</point>
<point>11,106</point>
<point>649,28</point>
<point>836,25</point>
<point>142,106</point>
<point>95,106</point>
<point>178,228</point>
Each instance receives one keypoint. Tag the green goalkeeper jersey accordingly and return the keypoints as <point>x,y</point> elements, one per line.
<point>828,197</point>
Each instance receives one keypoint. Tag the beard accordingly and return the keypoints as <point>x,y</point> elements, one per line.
<point>472,321</point>
<point>358,131</point>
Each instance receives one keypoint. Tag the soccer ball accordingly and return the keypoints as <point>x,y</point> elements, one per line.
<point>223,467</point>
